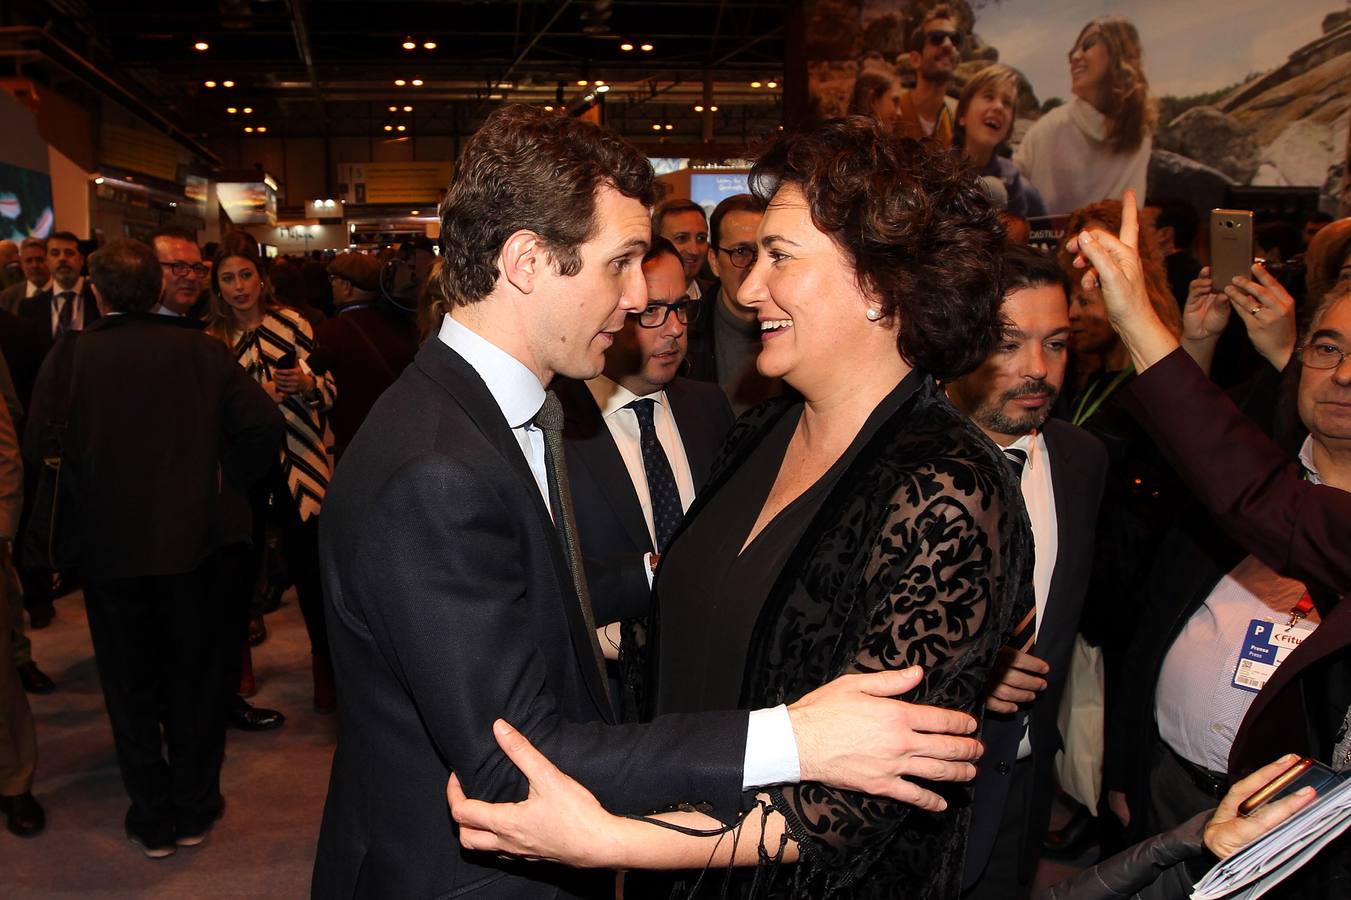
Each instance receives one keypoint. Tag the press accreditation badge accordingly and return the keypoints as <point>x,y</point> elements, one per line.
<point>1265,647</point>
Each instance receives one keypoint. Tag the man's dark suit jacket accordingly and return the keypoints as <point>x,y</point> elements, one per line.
<point>37,309</point>
<point>450,605</point>
<point>610,522</point>
<point>1078,466</point>
<point>166,433</point>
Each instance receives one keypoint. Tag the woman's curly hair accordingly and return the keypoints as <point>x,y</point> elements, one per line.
<point>915,224</point>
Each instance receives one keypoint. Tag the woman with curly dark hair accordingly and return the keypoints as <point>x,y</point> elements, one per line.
<point>1098,144</point>
<point>863,525</point>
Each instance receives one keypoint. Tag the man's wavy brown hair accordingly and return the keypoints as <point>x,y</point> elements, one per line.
<point>914,223</point>
<point>1126,101</point>
<point>527,169</point>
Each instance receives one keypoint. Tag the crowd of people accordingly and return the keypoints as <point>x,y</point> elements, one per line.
<point>758,551</point>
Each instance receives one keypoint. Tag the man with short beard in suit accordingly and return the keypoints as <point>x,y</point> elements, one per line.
<point>1062,468</point>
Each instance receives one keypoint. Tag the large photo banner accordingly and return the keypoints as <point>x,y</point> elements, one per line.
<point>1240,93</point>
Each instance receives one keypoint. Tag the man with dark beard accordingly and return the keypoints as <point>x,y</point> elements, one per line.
<point>1062,467</point>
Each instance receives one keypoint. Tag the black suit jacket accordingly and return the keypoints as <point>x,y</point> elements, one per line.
<point>610,522</point>
<point>450,605</point>
<point>365,349</point>
<point>166,432</point>
<point>37,310</point>
<point>1078,466</point>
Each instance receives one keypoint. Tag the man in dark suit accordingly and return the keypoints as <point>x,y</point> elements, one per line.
<point>36,276</point>
<point>66,305</point>
<point>1062,468</point>
<point>1292,516</point>
<point>165,433</point>
<point>452,571</point>
<point>640,441</point>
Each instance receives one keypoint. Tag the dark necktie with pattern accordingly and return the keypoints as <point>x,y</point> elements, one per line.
<point>661,484</point>
<point>1025,635</point>
<point>65,312</point>
<point>549,420</point>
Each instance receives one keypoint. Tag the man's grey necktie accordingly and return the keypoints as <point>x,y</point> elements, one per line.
<point>549,419</point>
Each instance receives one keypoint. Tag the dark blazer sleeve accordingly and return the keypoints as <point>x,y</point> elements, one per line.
<point>444,553</point>
<point>1251,487</point>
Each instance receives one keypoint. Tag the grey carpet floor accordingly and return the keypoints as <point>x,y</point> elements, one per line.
<point>274,784</point>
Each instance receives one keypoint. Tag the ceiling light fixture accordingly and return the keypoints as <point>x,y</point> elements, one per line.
<point>227,84</point>
<point>201,46</point>
<point>98,180</point>
<point>261,129</point>
<point>248,129</point>
<point>408,109</point>
<point>582,82</point>
<point>389,128</point>
<point>755,84</point>
<point>600,81</point>
<point>646,48</point>
<point>603,89</point>
<point>401,128</point>
<point>417,82</point>
<point>429,45</point>
<point>548,109</point>
<point>408,44</point>
<point>209,84</point>
<point>656,126</point>
<point>626,46</point>
<point>232,109</point>
<point>669,126</point>
<point>393,109</point>
<point>771,84</point>
<point>248,110</point>
<point>414,212</point>
<point>712,109</point>
<point>399,82</point>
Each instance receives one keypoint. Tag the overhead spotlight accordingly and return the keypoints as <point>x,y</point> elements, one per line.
<point>98,180</point>
<point>417,82</point>
<point>603,89</point>
<point>600,81</point>
<point>582,82</point>
<point>755,84</point>
<point>646,48</point>
<point>389,128</point>
<point>669,126</point>
<point>261,129</point>
<point>494,96</point>
<point>248,110</point>
<point>399,82</point>
<point>201,46</point>
<point>429,45</point>
<point>698,109</point>
<point>408,44</point>
<point>231,110</point>
<point>248,129</point>
<point>414,212</point>
<point>771,84</point>
<point>548,109</point>
<point>209,84</point>
<point>401,128</point>
<point>656,126</point>
<point>393,109</point>
<point>712,109</point>
<point>227,84</point>
<point>626,46</point>
<point>408,109</point>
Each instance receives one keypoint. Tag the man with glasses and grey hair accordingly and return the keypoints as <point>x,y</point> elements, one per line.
<point>725,341</point>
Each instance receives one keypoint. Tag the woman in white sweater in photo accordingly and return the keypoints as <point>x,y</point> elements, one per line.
<point>1098,144</point>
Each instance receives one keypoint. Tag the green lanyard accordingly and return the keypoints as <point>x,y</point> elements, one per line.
<point>1085,409</point>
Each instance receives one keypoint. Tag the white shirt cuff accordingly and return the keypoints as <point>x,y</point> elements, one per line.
<point>771,749</point>
<point>647,568</point>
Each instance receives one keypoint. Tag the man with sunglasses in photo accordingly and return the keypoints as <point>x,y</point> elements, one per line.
<point>640,441</point>
<point>725,340</point>
<point>935,50</point>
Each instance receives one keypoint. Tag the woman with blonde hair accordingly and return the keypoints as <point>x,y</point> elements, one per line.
<point>985,114</point>
<point>272,342</point>
<point>1098,144</point>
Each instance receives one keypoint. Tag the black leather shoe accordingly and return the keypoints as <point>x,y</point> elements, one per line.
<point>155,843</point>
<point>25,814</point>
<point>34,680</point>
<point>1072,841</point>
<point>40,618</point>
<point>247,717</point>
<point>257,631</point>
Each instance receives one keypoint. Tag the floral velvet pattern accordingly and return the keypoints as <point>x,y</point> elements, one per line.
<point>921,555</point>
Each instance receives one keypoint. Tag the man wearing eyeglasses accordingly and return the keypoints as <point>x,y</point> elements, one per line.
<point>725,340</point>
<point>185,275</point>
<point>935,50</point>
<point>640,442</point>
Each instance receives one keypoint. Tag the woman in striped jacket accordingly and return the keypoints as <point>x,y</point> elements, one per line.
<point>273,343</point>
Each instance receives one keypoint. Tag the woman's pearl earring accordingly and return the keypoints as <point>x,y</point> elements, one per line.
<point>874,314</point>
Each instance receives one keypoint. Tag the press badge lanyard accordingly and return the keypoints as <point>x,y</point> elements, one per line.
<point>1300,611</point>
<point>1082,414</point>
